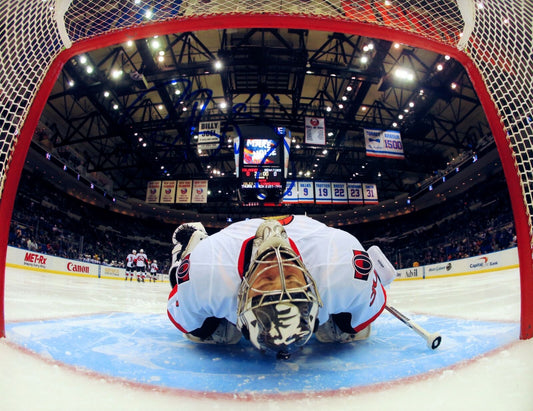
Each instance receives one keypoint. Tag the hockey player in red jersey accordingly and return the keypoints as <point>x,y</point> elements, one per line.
<point>276,282</point>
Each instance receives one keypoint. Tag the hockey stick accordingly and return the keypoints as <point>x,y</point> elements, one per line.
<point>432,340</point>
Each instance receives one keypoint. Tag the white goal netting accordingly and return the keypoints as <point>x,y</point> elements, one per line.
<point>496,35</point>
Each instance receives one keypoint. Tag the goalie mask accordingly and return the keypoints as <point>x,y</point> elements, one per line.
<point>278,300</point>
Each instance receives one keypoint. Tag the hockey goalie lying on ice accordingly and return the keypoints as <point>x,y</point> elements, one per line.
<point>276,282</point>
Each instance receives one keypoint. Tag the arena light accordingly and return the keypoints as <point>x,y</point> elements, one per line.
<point>116,73</point>
<point>156,45</point>
<point>404,74</point>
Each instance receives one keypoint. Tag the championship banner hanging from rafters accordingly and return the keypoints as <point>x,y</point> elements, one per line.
<point>387,144</point>
<point>199,191</point>
<point>315,130</point>
<point>184,191</point>
<point>153,191</point>
<point>168,192</point>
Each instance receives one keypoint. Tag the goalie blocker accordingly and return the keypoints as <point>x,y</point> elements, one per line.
<point>383,267</point>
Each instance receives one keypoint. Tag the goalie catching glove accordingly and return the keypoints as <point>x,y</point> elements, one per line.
<point>185,238</point>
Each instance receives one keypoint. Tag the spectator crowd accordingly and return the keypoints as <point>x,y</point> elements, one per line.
<point>52,222</point>
<point>47,220</point>
<point>476,222</point>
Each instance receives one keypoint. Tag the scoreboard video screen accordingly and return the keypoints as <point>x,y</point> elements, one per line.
<point>262,162</point>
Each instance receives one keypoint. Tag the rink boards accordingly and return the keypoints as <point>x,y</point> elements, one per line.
<point>31,260</point>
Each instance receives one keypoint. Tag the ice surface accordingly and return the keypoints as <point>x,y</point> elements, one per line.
<point>499,379</point>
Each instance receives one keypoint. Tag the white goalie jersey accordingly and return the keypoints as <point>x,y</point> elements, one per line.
<point>209,276</point>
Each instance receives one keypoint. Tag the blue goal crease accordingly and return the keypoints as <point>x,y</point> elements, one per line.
<point>146,348</point>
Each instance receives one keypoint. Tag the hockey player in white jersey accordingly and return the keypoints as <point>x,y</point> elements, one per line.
<point>276,282</point>
<point>141,262</point>
<point>153,271</point>
<point>130,264</point>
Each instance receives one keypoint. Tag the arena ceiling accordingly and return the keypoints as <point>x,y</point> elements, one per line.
<point>125,115</point>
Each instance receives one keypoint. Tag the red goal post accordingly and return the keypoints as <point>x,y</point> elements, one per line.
<point>491,40</point>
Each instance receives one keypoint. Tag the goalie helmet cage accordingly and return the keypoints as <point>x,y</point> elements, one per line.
<point>491,40</point>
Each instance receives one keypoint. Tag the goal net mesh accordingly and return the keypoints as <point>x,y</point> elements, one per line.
<point>496,35</point>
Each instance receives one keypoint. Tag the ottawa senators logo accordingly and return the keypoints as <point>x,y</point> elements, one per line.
<point>183,270</point>
<point>362,265</point>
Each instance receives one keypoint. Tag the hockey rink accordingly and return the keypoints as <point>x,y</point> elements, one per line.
<point>86,343</point>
